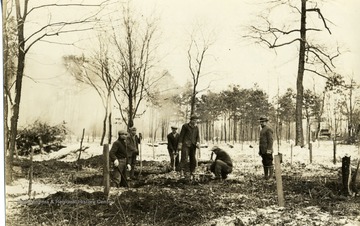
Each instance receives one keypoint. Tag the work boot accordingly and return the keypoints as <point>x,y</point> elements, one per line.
<point>266,172</point>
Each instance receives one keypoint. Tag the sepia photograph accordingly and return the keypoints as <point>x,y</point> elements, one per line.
<point>181,112</point>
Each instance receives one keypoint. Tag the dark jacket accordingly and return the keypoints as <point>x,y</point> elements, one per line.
<point>266,140</point>
<point>118,151</point>
<point>189,135</point>
<point>172,141</point>
<point>223,156</point>
<point>133,145</point>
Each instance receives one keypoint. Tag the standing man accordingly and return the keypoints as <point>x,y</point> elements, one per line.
<point>222,165</point>
<point>133,150</point>
<point>172,144</point>
<point>118,155</point>
<point>266,147</point>
<point>189,140</point>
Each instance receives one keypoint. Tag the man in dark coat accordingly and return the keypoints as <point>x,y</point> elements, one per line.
<point>119,157</point>
<point>266,147</point>
<point>172,143</point>
<point>222,165</point>
<point>189,140</point>
<point>133,150</point>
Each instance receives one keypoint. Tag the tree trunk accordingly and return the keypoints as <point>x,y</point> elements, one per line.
<point>5,77</point>
<point>299,138</point>
<point>308,134</point>
<point>18,84</point>
<point>235,129</point>
<point>225,130</point>
<point>110,128</point>
<point>104,129</point>
<point>207,130</point>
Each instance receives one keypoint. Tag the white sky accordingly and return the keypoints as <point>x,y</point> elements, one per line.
<point>230,60</point>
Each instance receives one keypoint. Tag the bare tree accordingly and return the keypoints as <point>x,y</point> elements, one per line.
<point>135,48</point>
<point>9,66</point>
<point>312,57</point>
<point>26,39</point>
<point>196,54</point>
<point>95,72</point>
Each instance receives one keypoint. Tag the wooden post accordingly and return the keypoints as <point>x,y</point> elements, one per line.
<point>80,149</point>
<point>279,186</point>
<point>310,151</point>
<point>106,169</point>
<point>346,174</point>
<point>31,171</point>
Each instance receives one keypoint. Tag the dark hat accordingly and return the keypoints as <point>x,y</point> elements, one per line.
<point>194,117</point>
<point>173,127</point>
<point>263,119</point>
<point>122,132</point>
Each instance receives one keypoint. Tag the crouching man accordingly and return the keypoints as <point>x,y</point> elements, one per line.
<point>222,165</point>
<point>118,155</point>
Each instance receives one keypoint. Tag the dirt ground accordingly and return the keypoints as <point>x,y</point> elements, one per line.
<point>313,196</point>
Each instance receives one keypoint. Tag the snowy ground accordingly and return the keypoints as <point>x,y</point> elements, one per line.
<point>322,156</point>
<point>244,156</point>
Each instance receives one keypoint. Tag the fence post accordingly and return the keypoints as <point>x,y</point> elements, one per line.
<point>106,169</point>
<point>279,186</point>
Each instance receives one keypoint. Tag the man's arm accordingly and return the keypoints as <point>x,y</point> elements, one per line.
<point>112,153</point>
<point>270,139</point>
<point>131,146</point>
<point>170,145</point>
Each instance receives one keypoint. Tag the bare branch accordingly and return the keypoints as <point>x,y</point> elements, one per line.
<point>315,72</point>
<point>65,5</point>
<point>321,16</point>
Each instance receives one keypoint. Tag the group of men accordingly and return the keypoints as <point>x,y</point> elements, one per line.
<point>182,149</point>
<point>123,155</point>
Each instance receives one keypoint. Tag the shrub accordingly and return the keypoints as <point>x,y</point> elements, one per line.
<point>40,133</point>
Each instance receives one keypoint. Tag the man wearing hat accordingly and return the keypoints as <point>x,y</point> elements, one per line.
<point>133,149</point>
<point>222,165</point>
<point>172,143</point>
<point>266,147</point>
<point>118,155</point>
<point>189,140</point>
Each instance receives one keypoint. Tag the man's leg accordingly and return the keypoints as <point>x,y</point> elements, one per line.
<point>222,169</point>
<point>119,173</point>
<point>212,167</point>
<point>116,176</point>
<point>133,163</point>
<point>184,159</point>
<point>192,155</point>
<point>171,154</point>
<point>122,171</point>
<point>268,165</point>
<point>266,170</point>
<point>177,162</point>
